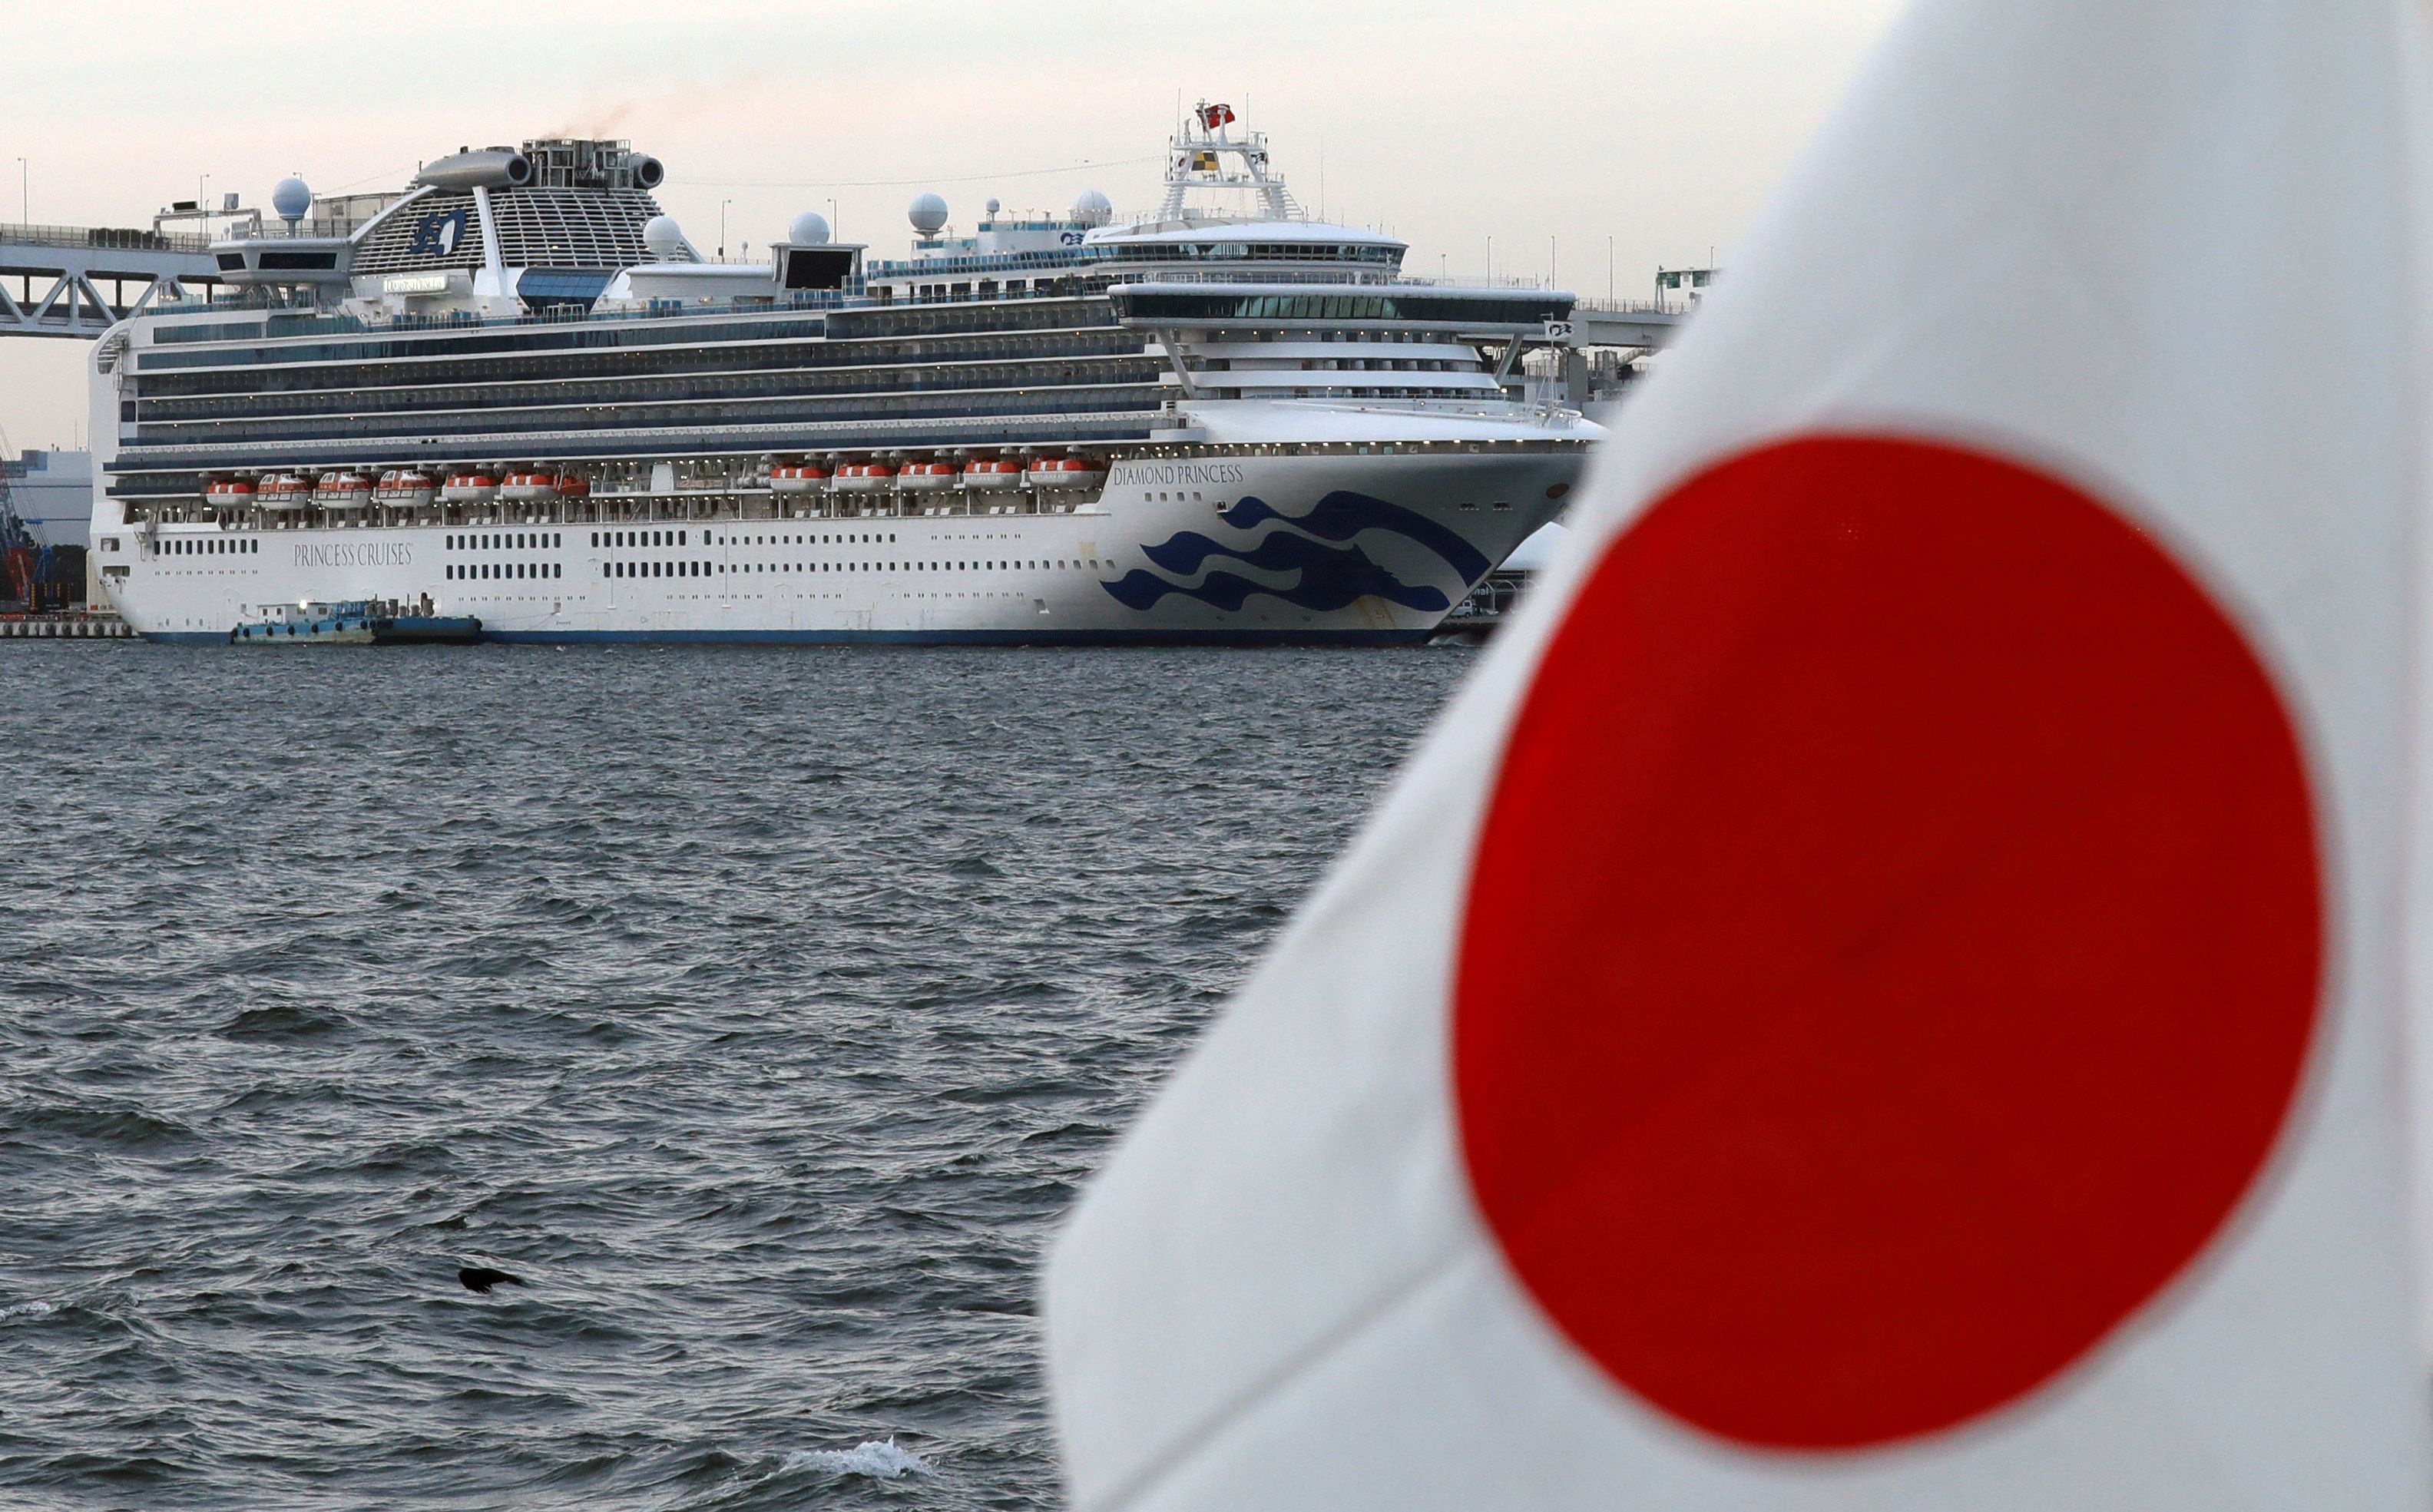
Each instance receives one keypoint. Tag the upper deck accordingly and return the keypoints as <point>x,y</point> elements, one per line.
<point>450,323</point>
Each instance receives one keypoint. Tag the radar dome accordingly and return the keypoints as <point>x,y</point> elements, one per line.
<point>664,238</point>
<point>1092,209</point>
<point>291,198</point>
<point>927,214</point>
<point>994,206</point>
<point>810,228</point>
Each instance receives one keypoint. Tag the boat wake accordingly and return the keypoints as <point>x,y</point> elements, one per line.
<point>875,1460</point>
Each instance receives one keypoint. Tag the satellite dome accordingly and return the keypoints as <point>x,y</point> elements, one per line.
<point>291,198</point>
<point>1092,209</point>
<point>665,239</point>
<point>927,214</point>
<point>993,204</point>
<point>810,228</point>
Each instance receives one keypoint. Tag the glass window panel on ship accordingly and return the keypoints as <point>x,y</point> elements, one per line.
<point>928,395</point>
<point>814,354</point>
<point>623,333</point>
<point>437,385</point>
<point>791,412</point>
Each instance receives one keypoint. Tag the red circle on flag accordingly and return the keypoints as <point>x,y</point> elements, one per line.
<point>1894,942</point>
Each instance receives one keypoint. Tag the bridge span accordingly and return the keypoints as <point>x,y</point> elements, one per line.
<point>53,279</point>
<point>1647,327</point>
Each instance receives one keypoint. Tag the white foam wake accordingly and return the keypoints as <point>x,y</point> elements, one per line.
<point>28,1310</point>
<point>884,1461</point>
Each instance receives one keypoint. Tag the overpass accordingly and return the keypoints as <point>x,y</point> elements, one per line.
<point>53,281</point>
<point>77,281</point>
<point>1647,327</point>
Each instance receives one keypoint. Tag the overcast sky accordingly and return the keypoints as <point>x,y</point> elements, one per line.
<point>1651,127</point>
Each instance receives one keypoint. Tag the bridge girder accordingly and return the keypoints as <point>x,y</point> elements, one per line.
<point>52,279</point>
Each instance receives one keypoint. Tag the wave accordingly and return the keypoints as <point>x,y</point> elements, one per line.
<point>1331,577</point>
<point>1342,514</point>
<point>870,1458</point>
<point>1335,583</point>
<point>28,1310</point>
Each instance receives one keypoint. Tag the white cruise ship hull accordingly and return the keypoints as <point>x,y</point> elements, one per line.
<point>1347,545</point>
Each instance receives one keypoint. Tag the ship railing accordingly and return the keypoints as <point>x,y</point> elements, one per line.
<point>109,238</point>
<point>322,228</point>
<point>254,301</point>
<point>1626,307</point>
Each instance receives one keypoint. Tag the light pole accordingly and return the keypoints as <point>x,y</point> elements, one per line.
<point>1550,262</point>
<point>1608,270</point>
<point>1490,258</point>
<point>721,228</point>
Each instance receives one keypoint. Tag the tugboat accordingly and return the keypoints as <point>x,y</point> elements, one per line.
<point>357,623</point>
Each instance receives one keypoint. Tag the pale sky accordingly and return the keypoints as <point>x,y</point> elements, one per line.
<point>1654,127</point>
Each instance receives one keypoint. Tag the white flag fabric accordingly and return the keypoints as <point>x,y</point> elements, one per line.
<point>1884,989</point>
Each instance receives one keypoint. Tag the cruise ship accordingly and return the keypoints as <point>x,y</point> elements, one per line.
<point>516,391</point>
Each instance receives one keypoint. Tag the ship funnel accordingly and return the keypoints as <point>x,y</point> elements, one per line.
<point>490,168</point>
<point>649,173</point>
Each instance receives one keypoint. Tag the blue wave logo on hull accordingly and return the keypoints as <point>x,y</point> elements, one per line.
<point>1332,576</point>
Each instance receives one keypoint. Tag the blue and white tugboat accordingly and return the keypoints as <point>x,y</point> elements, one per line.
<point>515,388</point>
<point>357,623</point>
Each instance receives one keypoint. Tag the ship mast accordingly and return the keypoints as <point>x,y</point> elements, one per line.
<point>1206,155</point>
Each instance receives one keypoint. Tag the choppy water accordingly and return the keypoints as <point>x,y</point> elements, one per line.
<point>763,1010</point>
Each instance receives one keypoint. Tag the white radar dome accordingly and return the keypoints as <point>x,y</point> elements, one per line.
<point>1092,209</point>
<point>291,198</point>
<point>927,214</point>
<point>994,206</point>
<point>810,228</point>
<point>664,238</point>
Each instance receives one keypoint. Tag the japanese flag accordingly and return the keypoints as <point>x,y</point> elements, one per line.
<point>1884,990</point>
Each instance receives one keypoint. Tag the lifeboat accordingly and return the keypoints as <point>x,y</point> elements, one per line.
<point>926,476</point>
<point>803,480</point>
<point>343,490</point>
<point>993,472</point>
<point>469,487</point>
<point>571,485</point>
<point>1066,472</point>
<point>283,490</point>
<point>529,487</point>
<point>403,491</point>
<point>230,493</point>
<point>865,478</point>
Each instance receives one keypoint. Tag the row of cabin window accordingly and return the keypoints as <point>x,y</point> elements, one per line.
<point>791,411</point>
<point>685,568</point>
<point>678,537</point>
<point>874,538</point>
<point>505,569</point>
<point>640,347</point>
<point>506,541</point>
<point>1061,370</point>
<point>208,546</point>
